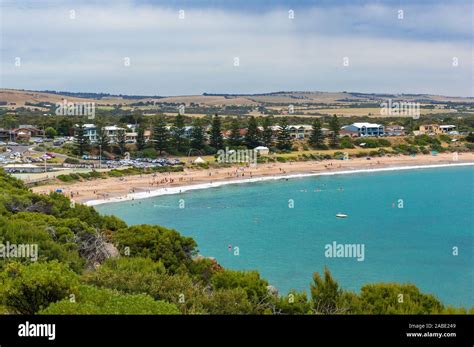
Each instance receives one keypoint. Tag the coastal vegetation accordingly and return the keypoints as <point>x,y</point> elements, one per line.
<point>88,263</point>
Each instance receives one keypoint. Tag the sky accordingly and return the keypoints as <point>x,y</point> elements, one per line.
<point>147,47</point>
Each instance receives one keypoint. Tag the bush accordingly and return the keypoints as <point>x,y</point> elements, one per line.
<point>150,153</point>
<point>229,301</point>
<point>394,298</point>
<point>346,142</point>
<point>158,243</point>
<point>66,178</point>
<point>70,160</point>
<point>29,288</point>
<point>92,300</point>
<point>250,281</point>
<point>141,275</point>
<point>470,137</point>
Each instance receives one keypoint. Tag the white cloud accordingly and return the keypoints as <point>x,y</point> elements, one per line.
<point>194,55</point>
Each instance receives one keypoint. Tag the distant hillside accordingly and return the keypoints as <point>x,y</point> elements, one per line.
<point>18,98</point>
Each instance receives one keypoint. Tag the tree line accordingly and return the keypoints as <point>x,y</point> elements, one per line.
<point>178,139</point>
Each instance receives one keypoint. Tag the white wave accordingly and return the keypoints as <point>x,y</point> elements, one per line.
<point>182,189</point>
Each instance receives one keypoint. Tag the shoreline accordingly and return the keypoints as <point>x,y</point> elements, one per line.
<point>199,186</point>
<point>115,189</point>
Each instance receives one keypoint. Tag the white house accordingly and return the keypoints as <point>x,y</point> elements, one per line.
<point>364,129</point>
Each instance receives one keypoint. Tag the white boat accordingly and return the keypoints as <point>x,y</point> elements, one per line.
<point>341,215</point>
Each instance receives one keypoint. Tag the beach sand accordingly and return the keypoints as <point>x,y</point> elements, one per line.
<point>142,186</point>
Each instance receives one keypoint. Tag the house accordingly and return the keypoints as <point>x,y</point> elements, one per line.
<point>300,132</point>
<point>446,129</point>
<point>394,130</point>
<point>242,133</point>
<point>131,136</point>
<point>25,131</point>
<point>363,129</point>
<point>7,135</point>
<point>112,131</point>
<point>90,132</point>
<point>430,129</point>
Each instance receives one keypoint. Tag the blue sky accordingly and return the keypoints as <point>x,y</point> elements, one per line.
<point>89,51</point>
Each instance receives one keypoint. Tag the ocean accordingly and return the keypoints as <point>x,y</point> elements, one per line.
<point>410,226</point>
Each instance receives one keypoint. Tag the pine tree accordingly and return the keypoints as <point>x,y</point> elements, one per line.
<point>216,139</point>
<point>267,133</point>
<point>325,294</point>
<point>316,139</point>
<point>121,140</point>
<point>82,141</point>
<point>234,138</point>
<point>160,134</point>
<point>334,127</point>
<point>103,140</point>
<point>198,139</point>
<point>141,137</point>
<point>284,138</point>
<point>251,138</point>
<point>178,133</point>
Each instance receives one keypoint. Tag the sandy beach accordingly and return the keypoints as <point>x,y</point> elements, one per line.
<point>142,186</point>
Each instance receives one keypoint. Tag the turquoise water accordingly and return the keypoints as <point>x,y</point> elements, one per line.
<point>411,244</point>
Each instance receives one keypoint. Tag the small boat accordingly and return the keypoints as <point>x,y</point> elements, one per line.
<point>341,215</point>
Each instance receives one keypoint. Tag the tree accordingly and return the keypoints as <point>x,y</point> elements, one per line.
<point>283,138</point>
<point>316,139</point>
<point>251,138</point>
<point>198,139</point>
<point>394,298</point>
<point>82,141</point>
<point>92,300</point>
<point>216,140</point>
<point>103,140</point>
<point>470,137</point>
<point>158,243</point>
<point>160,134</point>
<point>50,132</point>
<point>121,140</point>
<point>234,138</point>
<point>30,288</point>
<point>325,293</point>
<point>249,281</point>
<point>267,133</point>
<point>178,133</point>
<point>334,128</point>
<point>141,137</point>
<point>64,125</point>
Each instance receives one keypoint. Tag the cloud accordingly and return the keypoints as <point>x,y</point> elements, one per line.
<point>169,55</point>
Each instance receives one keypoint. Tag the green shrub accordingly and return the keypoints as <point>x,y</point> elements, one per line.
<point>250,281</point>
<point>394,298</point>
<point>158,243</point>
<point>70,160</point>
<point>26,289</point>
<point>92,300</point>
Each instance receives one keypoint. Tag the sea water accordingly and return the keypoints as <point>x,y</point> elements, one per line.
<point>413,226</point>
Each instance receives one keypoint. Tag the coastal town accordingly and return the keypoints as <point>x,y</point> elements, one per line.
<point>159,151</point>
<point>261,159</point>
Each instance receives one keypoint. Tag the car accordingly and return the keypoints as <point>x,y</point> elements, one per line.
<point>3,143</point>
<point>52,155</point>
